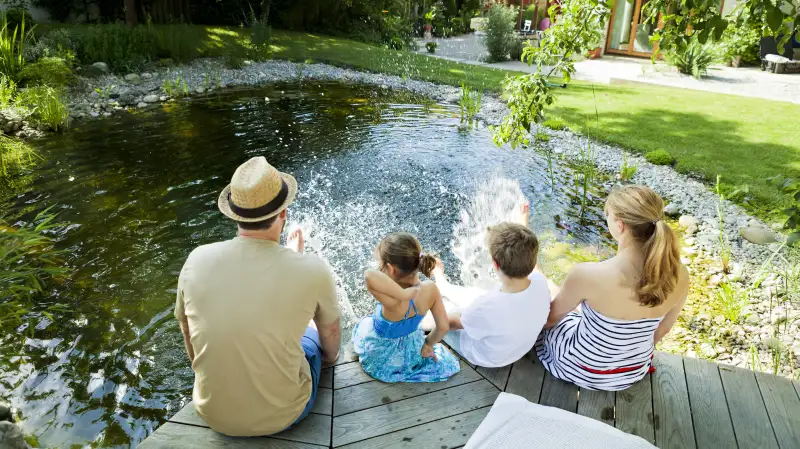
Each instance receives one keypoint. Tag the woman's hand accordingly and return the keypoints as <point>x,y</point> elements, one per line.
<point>427,351</point>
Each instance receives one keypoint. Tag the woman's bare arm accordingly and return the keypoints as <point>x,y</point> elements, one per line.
<point>672,316</point>
<point>569,296</point>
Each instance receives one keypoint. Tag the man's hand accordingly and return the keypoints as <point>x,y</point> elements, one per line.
<point>427,352</point>
<point>295,241</point>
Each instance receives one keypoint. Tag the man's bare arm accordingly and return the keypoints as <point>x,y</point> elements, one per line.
<point>330,336</point>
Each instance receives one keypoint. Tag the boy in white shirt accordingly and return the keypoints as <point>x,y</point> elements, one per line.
<point>498,327</point>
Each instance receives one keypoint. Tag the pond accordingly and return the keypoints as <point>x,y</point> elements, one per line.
<point>138,192</point>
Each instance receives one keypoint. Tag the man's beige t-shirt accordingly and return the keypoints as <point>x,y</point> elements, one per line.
<point>248,302</point>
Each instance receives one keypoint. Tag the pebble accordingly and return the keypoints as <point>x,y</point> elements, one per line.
<point>5,412</point>
<point>758,235</point>
<point>672,209</point>
<point>146,76</point>
<point>133,78</point>
<point>141,105</point>
<point>687,220</point>
<point>150,99</point>
<point>11,436</point>
<point>101,66</point>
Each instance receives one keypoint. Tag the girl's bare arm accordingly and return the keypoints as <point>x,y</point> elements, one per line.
<point>383,287</point>
<point>439,317</point>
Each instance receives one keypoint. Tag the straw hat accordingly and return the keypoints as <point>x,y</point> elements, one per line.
<point>257,192</point>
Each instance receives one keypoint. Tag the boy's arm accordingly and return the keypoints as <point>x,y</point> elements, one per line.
<point>455,321</point>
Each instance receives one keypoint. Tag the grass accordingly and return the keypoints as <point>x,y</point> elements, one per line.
<point>731,300</point>
<point>48,106</point>
<point>747,140</point>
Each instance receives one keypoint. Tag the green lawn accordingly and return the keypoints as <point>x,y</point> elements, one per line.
<point>744,140</point>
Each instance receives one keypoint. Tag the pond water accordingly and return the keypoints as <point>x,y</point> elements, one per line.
<point>138,192</point>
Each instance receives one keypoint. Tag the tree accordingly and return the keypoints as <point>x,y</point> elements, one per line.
<point>265,10</point>
<point>131,17</point>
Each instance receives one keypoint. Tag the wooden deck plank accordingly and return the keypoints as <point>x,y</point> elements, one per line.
<point>445,433</point>
<point>407,413</point>
<point>326,378</point>
<point>497,376</point>
<point>315,429</point>
<point>597,404</point>
<point>783,408</point>
<point>375,393</point>
<point>557,393</point>
<point>348,375</point>
<point>749,415</point>
<point>324,403</point>
<point>527,377</point>
<point>672,414</point>
<point>178,436</point>
<point>712,420</point>
<point>635,410</point>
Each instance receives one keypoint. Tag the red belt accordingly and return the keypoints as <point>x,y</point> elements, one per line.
<point>619,370</point>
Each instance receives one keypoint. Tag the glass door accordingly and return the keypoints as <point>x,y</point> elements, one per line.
<point>628,34</point>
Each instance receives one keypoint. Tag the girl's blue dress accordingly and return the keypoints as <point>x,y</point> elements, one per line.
<point>390,350</point>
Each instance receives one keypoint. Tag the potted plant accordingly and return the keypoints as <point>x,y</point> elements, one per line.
<point>427,29</point>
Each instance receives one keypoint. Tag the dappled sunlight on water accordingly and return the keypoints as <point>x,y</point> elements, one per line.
<point>139,193</point>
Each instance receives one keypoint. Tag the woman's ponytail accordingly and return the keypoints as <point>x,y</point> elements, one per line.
<point>661,266</point>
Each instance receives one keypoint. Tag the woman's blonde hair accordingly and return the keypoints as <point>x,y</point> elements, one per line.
<point>404,251</point>
<point>642,211</point>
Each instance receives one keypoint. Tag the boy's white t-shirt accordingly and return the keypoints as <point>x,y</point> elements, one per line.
<point>500,328</point>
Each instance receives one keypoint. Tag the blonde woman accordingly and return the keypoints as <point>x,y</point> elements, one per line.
<point>625,305</point>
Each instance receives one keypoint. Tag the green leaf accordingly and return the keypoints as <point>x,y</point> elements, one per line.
<point>774,18</point>
<point>719,29</point>
<point>793,239</point>
<point>703,36</point>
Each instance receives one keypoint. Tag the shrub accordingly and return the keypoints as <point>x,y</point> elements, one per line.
<point>517,45</point>
<point>47,106</point>
<point>431,46</point>
<point>692,59</point>
<point>122,47</point>
<point>741,38</point>
<point>12,46</point>
<point>58,42</point>
<point>8,89</point>
<point>555,124</point>
<point>500,31</point>
<point>50,71</point>
<point>659,157</point>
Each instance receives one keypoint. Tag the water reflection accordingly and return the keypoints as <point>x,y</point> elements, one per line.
<point>140,190</point>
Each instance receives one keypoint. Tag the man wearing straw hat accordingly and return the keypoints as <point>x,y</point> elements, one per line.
<point>244,307</point>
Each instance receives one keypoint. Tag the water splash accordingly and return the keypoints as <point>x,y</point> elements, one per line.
<point>495,201</point>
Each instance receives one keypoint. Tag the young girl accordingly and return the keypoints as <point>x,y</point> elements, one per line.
<point>390,344</point>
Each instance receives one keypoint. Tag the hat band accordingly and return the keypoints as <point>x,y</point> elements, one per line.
<point>261,211</point>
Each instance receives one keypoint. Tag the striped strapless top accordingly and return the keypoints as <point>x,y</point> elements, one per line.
<point>596,352</point>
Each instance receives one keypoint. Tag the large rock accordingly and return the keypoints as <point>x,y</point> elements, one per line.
<point>672,209</point>
<point>101,67</point>
<point>688,221</point>
<point>151,98</point>
<point>5,412</point>
<point>758,235</point>
<point>11,436</point>
<point>133,79</point>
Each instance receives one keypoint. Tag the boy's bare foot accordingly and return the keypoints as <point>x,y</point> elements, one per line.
<point>524,214</point>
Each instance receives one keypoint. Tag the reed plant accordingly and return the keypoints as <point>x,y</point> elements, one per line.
<point>8,90</point>
<point>587,172</point>
<point>176,87</point>
<point>731,300</point>
<point>47,105</point>
<point>12,47</point>
<point>627,171</point>
<point>724,244</point>
<point>470,104</point>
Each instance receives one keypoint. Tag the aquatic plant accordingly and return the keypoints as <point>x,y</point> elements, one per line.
<point>47,105</point>
<point>104,92</point>
<point>722,240</point>
<point>28,264</point>
<point>176,87</point>
<point>299,68</point>
<point>12,47</point>
<point>8,90</point>
<point>14,155</point>
<point>731,300</point>
<point>587,172</point>
<point>470,104</point>
<point>626,172</point>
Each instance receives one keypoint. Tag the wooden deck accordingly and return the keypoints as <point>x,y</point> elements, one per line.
<point>686,403</point>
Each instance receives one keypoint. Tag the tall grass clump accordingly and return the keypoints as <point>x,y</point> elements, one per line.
<point>122,47</point>
<point>176,87</point>
<point>12,47</point>
<point>14,155</point>
<point>47,105</point>
<point>587,172</point>
<point>28,264</point>
<point>731,300</point>
<point>8,90</point>
<point>724,244</point>
<point>470,103</point>
<point>627,171</point>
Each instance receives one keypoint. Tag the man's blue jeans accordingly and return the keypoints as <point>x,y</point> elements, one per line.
<point>313,350</point>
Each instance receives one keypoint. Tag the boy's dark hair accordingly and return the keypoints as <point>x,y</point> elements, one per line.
<point>514,248</point>
<point>258,225</point>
